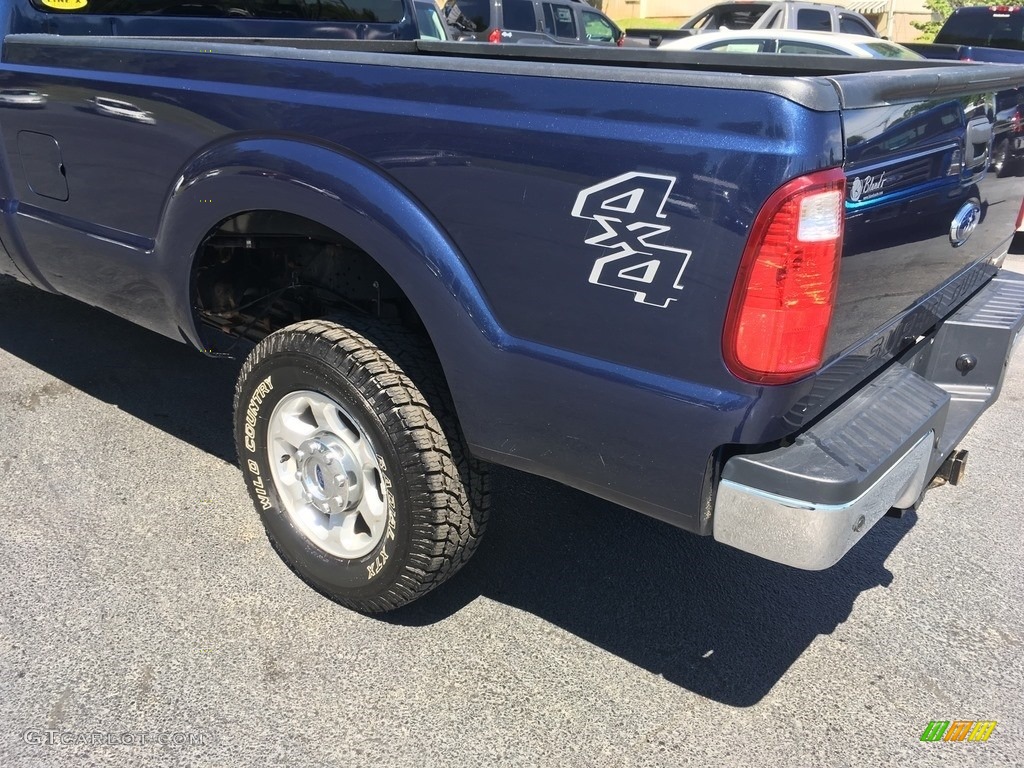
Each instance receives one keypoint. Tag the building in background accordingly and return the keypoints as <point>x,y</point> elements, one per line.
<point>892,18</point>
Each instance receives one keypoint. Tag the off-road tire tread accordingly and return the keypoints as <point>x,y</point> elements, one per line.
<point>449,490</point>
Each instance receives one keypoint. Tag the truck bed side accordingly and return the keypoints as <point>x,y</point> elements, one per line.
<point>470,189</point>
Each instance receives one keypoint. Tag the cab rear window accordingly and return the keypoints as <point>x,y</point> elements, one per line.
<point>988,29</point>
<point>370,11</point>
<point>730,16</point>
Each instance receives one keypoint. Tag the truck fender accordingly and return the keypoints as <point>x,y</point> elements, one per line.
<point>341,192</point>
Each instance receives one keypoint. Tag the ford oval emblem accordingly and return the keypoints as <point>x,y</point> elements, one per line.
<point>964,223</point>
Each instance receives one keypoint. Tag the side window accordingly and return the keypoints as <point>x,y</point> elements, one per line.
<point>559,21</point>
<point>429,21</point>
<point>735,46</point>
<point>468,15</point>
<point>814,20</point>
<point>851,25</point>
<point>370,11</point>
<point>595,27</point>
<point>519,15</point>
<point>809,48</point>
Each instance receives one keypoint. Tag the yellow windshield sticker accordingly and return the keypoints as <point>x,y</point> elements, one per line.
<point>65,5</point>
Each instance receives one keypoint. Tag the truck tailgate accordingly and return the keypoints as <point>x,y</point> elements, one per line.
<point>927,223</point>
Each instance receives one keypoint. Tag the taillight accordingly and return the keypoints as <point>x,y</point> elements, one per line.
<point>495,36</point>
<point>1016,123</point>
<point>1020,215</point>
<point>782,300</point>
<point>621,41</point>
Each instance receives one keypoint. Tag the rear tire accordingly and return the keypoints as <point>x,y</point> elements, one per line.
<point>355,462</point>
<point>1001,159</point>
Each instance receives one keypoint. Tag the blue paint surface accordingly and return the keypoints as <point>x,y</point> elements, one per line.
<point>461,185</point>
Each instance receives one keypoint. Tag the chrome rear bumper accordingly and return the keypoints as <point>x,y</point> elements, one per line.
<point>808,503</point>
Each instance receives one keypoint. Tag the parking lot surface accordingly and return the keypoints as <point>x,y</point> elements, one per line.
<point>145,620</point>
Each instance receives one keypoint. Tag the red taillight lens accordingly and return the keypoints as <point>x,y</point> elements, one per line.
<point>621,40</point>
<point>495,36</point>
<point>1016,124</point>
<point>1020,215</point>
<point>785,289</point>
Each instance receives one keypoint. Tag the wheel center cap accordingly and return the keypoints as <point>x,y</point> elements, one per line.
<point>329,474</point>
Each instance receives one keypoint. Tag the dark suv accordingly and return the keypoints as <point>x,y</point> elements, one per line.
<point>341,19</point>
<point>1008,133</point>
<point>560,22</point>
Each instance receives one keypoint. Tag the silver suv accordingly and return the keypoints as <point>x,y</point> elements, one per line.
<point>812,17</point>
<point>783,14</point>
<point>538,22</point>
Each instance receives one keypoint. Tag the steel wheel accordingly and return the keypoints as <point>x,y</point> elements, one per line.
<point>354,460</point>
<point>327,474</point>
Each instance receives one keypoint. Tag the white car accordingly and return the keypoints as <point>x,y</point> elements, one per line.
<point>123,109</point>
<point>792,41</point>
<point>14,97</point>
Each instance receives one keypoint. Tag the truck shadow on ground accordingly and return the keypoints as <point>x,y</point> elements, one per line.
<point>165,383</point>
<point>713,620</point>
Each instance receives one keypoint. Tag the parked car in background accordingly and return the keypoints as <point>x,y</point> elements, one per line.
<point>785,14</point>
<point>322,19</point>
<point>569,22</point>
<point>123,110</point>
<point>793,41</point>
<point>979,33</point>
<point>19,97</point>
<point>993,34</point>
<point>997,26</point>
<point>1008,133</point>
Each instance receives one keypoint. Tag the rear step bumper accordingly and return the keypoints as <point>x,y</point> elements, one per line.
<point>808,503</point>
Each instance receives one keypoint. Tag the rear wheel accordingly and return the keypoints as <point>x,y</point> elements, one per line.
<point>355,462</point>
<point>1001,159</point>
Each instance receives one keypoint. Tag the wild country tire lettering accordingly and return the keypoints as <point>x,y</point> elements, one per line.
<point>389,499</point>
<point>257,483</point>
<point>253,411</point>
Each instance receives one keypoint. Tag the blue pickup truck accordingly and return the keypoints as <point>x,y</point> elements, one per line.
<point>992,34</point>
<point>759,298</point>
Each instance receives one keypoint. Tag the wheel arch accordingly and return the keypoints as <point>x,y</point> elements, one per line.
<point>342,193</point>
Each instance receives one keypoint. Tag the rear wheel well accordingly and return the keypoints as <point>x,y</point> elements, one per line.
<point>259,271</point>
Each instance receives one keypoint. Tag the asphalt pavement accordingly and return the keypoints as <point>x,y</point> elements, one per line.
<point>145,620</point>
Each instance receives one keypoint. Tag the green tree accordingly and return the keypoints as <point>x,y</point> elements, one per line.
<point>944,9</point>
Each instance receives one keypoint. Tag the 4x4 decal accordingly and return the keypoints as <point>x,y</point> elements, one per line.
<point>627,208</point>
